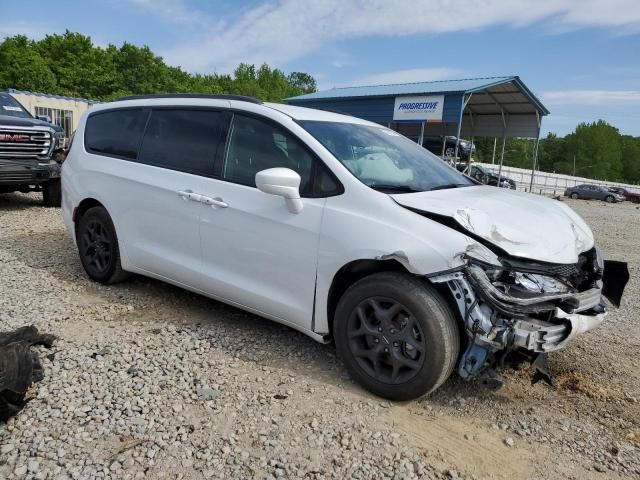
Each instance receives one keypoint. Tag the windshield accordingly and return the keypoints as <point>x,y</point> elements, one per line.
<point>384,159</point>
<point>11,107</point>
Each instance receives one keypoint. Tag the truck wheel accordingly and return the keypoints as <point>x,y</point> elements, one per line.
<point>449,152</point>
<point>98,247</point>
<point>396,335</point>
<point>52,193</point>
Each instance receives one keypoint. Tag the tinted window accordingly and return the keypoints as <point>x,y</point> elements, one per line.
<point>11,107</point>
<point>256,145</point>
<point>116,133</point>
<point>185,140</point>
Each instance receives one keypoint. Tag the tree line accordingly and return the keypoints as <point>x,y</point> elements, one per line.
<point>71,65</point>
<point>593,150</point>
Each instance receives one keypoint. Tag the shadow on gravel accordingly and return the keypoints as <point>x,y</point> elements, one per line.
<point>18,201</point>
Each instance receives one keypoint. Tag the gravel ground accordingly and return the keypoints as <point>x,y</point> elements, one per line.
<point>149,381</point>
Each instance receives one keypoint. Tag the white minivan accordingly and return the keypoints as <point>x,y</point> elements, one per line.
<point>338,227</point>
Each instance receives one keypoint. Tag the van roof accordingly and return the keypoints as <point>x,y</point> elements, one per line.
<point>232,101</point>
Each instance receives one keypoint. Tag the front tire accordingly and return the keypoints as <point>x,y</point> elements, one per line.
<point>396,335</point>
<point>574,195</point>
<point>609,199</point>
<point>52,193</point>
<point>98,247</point>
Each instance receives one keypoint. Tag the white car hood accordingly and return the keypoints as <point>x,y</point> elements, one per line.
<point>522,224</point>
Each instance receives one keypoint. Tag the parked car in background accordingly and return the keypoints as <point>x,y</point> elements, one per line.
<point>466,149</point>
<point>593,192</point>
<point>335,226</point>
<point>28,149</point>
<point>629,196</point>
<point>486,175</point>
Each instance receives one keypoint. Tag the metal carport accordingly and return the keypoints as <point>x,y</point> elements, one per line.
<point>499,107</point>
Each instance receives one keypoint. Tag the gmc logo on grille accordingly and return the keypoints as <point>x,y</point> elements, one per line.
<point>8,137</point>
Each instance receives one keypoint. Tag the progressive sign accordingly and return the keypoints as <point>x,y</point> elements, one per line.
<point>422,108</point>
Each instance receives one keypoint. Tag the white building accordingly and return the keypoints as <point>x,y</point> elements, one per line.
<point>63,111</point>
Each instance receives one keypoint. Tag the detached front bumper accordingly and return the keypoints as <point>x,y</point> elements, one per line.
<point>540,336</point>
<point>500,319</point>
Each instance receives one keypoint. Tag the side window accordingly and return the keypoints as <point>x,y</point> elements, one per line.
<point>117,132</point>
<point>184,140</point>
<point>256,145</point>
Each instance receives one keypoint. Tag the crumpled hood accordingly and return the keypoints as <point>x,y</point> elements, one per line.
<point>522,224</point>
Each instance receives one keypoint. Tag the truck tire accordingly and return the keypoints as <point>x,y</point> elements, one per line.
<point>396,335</point>
<point>98,247</point>
<point>52,193</point>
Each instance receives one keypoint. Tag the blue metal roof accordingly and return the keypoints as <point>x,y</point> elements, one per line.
<point>48,95</point>
<point>465,85</point>
<point>447,87</point>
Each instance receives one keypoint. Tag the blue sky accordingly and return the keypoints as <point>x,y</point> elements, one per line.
<point>581,57</point>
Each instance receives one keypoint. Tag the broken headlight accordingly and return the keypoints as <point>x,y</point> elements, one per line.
<point>539,283</point>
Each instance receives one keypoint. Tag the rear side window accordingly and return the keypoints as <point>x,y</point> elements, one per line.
<point>184,140</point>
<point>115,133</point>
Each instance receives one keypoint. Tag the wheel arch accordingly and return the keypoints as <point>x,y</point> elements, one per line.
<point>350,273</point>
<point>81,209</point>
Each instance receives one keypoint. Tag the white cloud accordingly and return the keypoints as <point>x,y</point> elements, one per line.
<point>591,97</point>
<point>407,76</point>
<point>282,30</point>
<point>174,11</point>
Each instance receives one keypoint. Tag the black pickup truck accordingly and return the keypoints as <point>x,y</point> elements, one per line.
<point>28,150</point>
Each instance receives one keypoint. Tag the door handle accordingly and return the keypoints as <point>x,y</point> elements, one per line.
<point>214,202</point>
<point>189,195</point>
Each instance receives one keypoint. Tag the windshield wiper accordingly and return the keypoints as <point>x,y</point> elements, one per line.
<point>448,185</point>
<point>394,188</point>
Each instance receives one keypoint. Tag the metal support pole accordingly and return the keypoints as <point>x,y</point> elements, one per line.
<point>504,141</point>
<point>493,157</point>
<point>444,138</point>
<point>421,138</point>
<point>535,154</point>
<point>463,106</point>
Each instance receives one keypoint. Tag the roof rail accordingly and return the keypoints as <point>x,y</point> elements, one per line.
<point>240,98</point>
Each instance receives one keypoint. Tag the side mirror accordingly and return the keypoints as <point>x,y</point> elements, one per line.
<point>44,118</point>
<point>283,182</point>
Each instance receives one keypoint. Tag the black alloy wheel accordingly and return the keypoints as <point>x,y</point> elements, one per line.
<point>396,334</point>
<point>386,340</point>
<point>98,246</point>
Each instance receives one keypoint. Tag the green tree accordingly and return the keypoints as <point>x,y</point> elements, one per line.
<point>630,152</point>
<point>70,64</point>
<point>597,151</point>
<point>23,67</point>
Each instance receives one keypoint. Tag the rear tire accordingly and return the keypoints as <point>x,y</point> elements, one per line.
<point>52,193</point>
<point>396,335</point>
<point>574,195</point>
<point>98,247</point>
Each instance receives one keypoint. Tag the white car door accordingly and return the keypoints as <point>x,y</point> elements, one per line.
<point>256,253</point>
<point>160,218</point>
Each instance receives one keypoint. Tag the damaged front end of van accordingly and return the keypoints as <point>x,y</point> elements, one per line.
<point>530,281</point>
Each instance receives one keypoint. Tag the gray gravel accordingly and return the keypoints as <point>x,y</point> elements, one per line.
<point>149,381</point>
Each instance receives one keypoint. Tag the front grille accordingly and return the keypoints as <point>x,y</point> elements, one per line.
<point>21,177</point>
<point>24,144</point>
